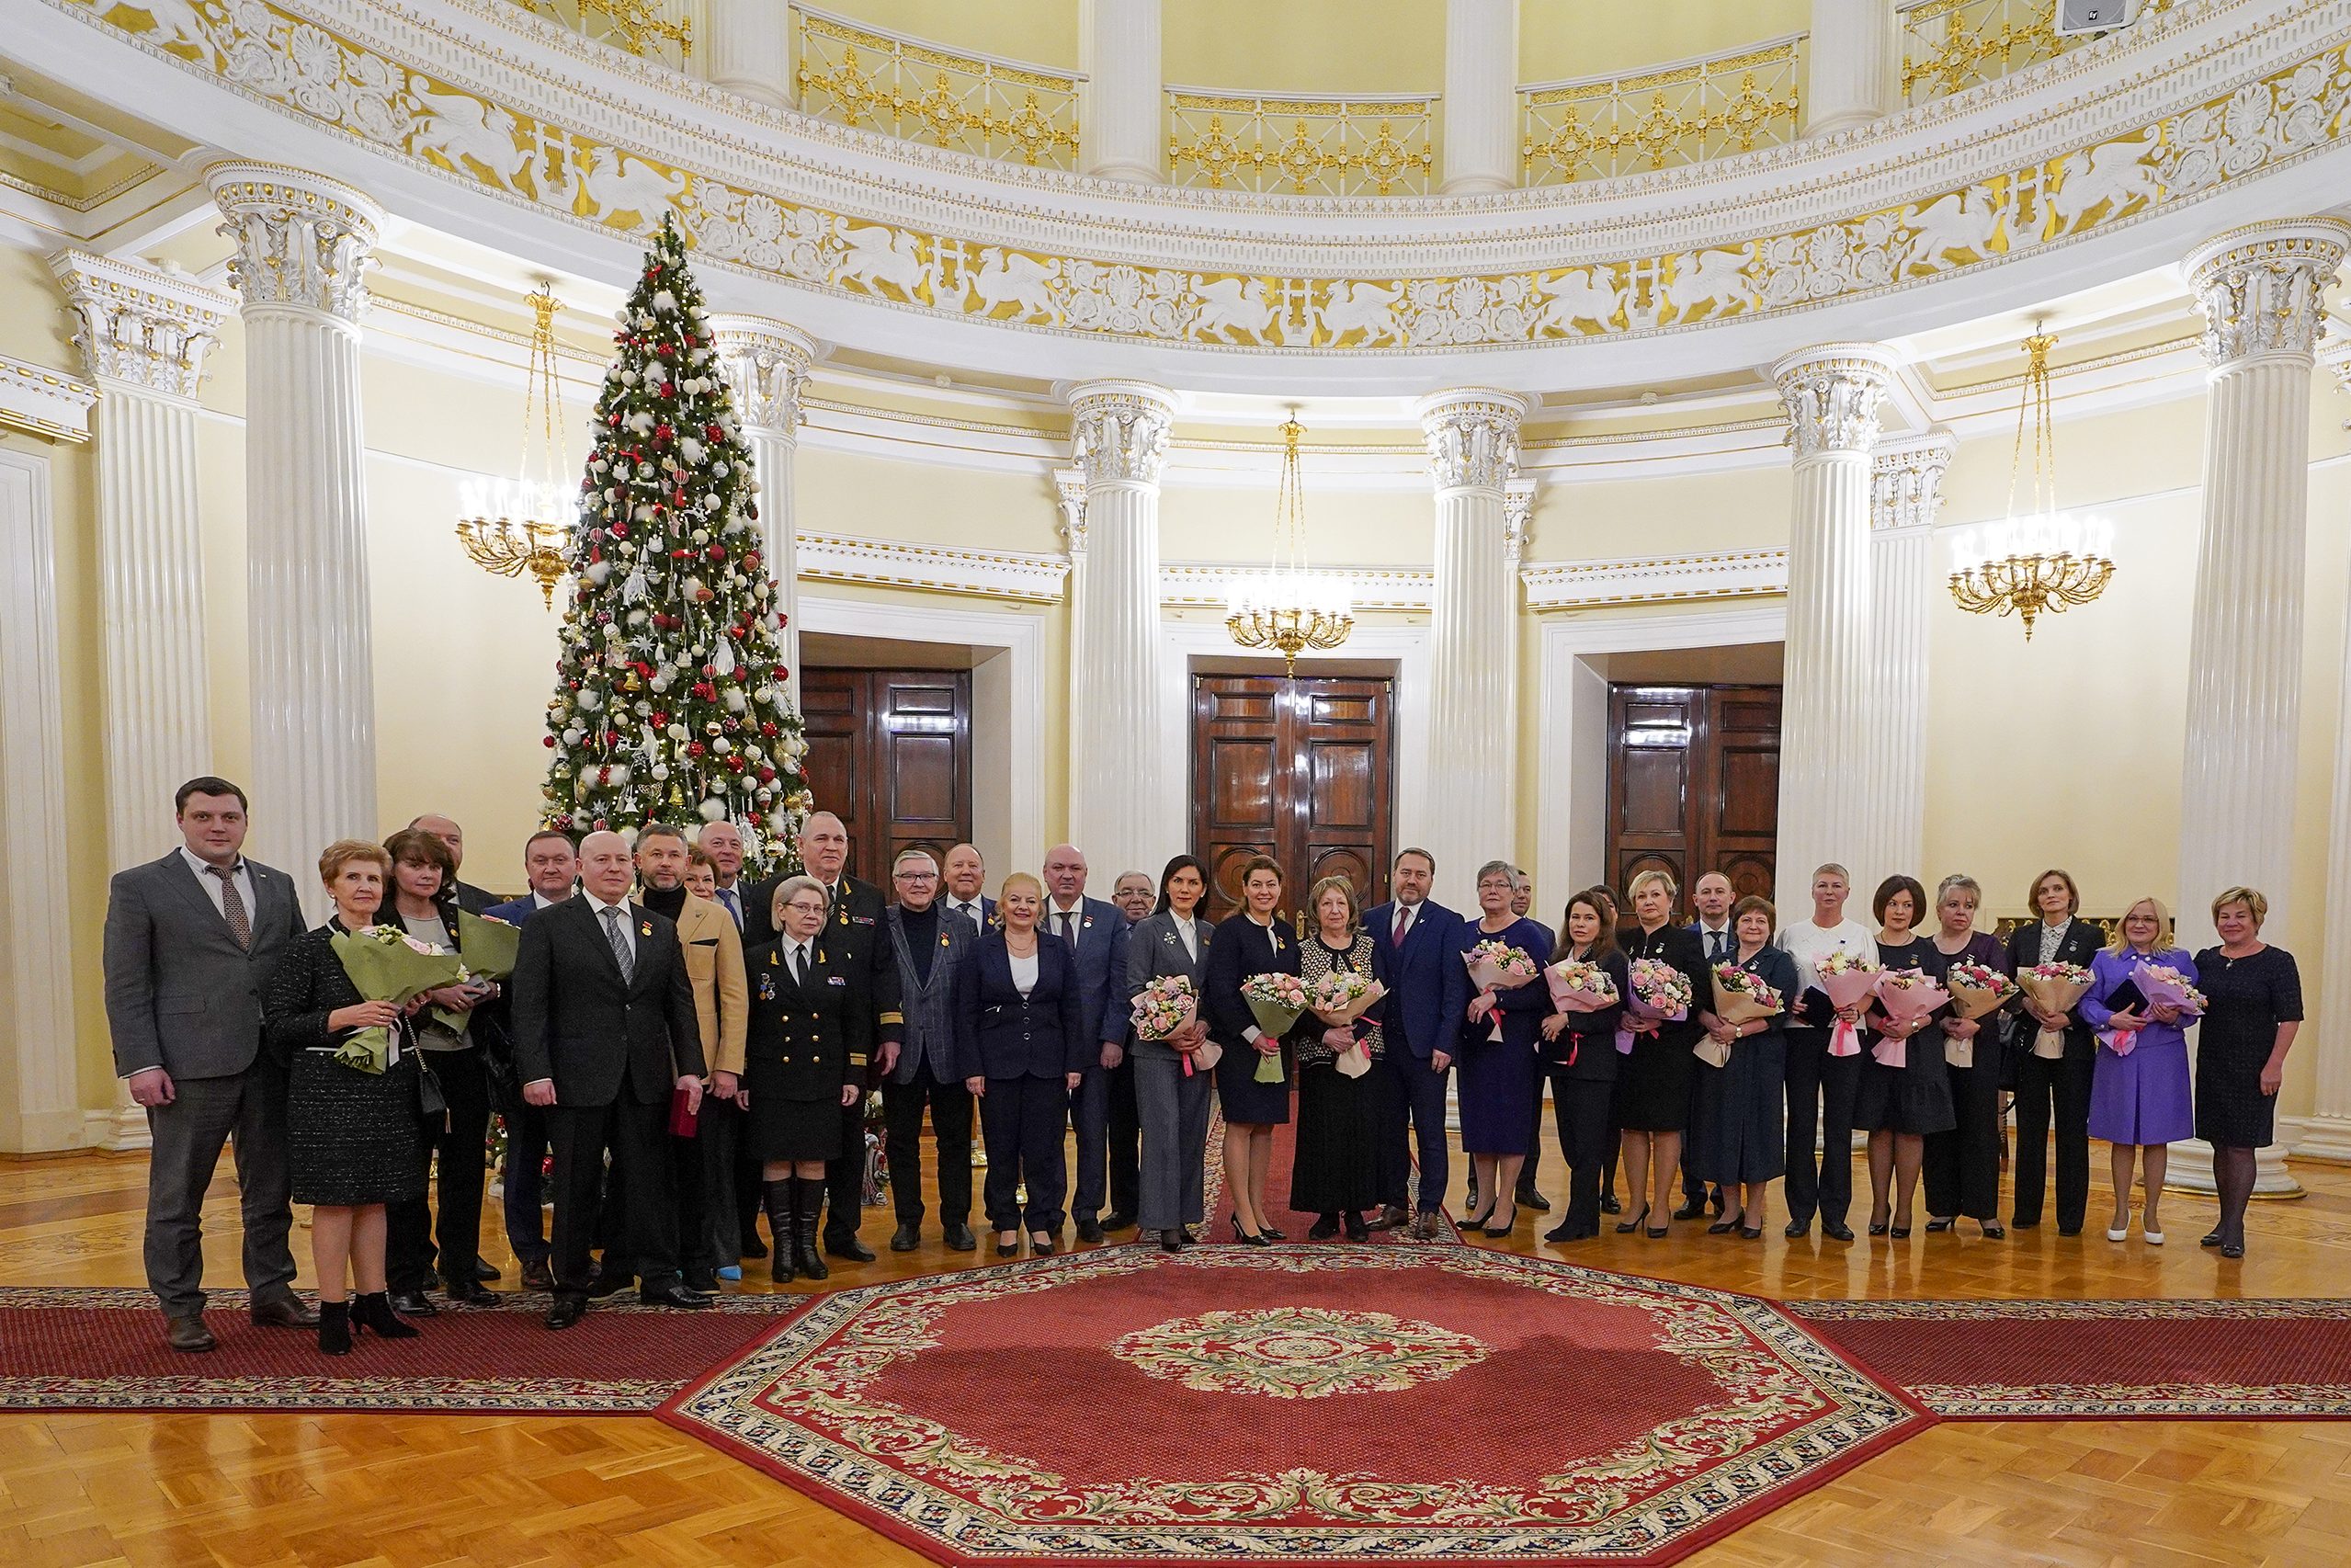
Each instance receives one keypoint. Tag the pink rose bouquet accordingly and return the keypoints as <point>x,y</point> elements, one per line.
<point>1846,978</point>
<point>1905,996</point>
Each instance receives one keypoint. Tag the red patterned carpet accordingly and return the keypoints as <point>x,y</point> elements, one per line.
<point>2060,1360</point>
<point>1334,1404</point>
<point>67,1348</point>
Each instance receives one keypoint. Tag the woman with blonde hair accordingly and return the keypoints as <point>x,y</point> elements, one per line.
<point>2139,1089</point>
<point>1653,1089</point>
<point>1020,1049</point>
<point>1821,1087</point>
<point>2254,1009</point>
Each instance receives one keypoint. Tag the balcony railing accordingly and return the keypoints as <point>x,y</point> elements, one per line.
<point>1948,46</point>
<point>1593,127</point>
<point>970,103</point>
<point>1302,145</point>
<point>652,29</point>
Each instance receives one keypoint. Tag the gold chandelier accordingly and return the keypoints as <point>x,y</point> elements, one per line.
<point>511,527</point>
<point>1287,608</point>
<point>2044,560</point>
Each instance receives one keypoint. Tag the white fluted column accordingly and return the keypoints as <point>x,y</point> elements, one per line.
<point>1472,435</point>
<point>768,365</point>
<point>303,251</point>
<point>1905,494</point>
<point>1829,805</point>
<point>1851,76</point>
<point>1481,95</point>
<point>1124,127</point>
<point>143,336</point>
<point>748,46</point>
<point>2259,289</point>
<point>2325,1133</point>
<point>1121,806</point>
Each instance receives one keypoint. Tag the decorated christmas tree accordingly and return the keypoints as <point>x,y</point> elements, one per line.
<point>672,702</point>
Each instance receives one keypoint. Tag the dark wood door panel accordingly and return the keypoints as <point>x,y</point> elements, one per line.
<point>889,753</point>
<point>1297,769</point>
<point>1694,783</point>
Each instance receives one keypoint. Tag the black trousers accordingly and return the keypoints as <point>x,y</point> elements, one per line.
<point>1534,1162</point>
<point>1693,1187</point>
<point>949,1105</point>
<point>1411,1121</point>
<point>644,1225</point>
<point>1962,1167</point>
<point>2064,1084</point>
<point>689,1197</point>
<point>1821,1088</point>
<point>721,1230</point>
<point>463,1147</point>
<point>526,1152</point>
<point>845,1178</point>
<point>1580,1106</point>
<point>1126,1139</point>
<point>1023,1120</point>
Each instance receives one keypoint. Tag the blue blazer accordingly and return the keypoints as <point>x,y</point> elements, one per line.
<point>517,912</point>
<point>1001,1034</point>
<point>1522,1007</point>
<point>1101,969</point>
<point>1427,986</point>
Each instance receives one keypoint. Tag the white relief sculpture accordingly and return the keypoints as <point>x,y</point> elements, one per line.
<point>1576,295</point>
<point>1957,228</point>
<point>1367,308</point>
<point>2117,176</point>
<point>617,183</point>
<point>1008,278</point>
<point>173,22</point>
<point>876,256</point>
<point>1233,309</point>
<point>461,128</point>
<point>1711,282</point>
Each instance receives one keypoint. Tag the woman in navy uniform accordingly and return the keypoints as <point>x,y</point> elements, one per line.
<point>1021,1046</point>
<point>799,1072</point>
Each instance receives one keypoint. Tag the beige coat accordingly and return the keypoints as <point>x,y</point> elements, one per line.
<point>714,963</point>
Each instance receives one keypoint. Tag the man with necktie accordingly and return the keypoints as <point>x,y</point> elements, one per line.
<point>1416,958</point>
<point>1103,1108</point>
<point>930,948</point>
<point>722,842</point>
<point>966,872</point>
<point>190,940</point>
<point>551,866</point>
<point>1712,898</point>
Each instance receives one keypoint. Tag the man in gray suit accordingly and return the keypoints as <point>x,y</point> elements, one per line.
<point>190,940</point>
<point>931,943</point>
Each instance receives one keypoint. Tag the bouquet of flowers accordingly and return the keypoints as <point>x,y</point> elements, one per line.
<point>1741,996</point>
<point>1659,991</point>
<point>1167,1007</point>
<point>1846,978</point>
<point>1276,1001</point>
<point>2158,984</point>
<point>1905,995</point>
<point>2055,988</point>
<point>1577,986</point>
<point>488,948</point>
<point>1338,998</point>
<point>387,964</point>
<point>1497,966</point>
<point>1976,990</point>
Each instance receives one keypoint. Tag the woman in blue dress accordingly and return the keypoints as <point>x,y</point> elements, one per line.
<point>1500,1055</point>
<point>2139,1102</point>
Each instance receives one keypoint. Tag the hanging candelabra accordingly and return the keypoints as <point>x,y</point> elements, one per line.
<point>524,524</point>
<point>1286,607</point>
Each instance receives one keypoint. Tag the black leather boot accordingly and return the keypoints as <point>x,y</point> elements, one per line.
<point>335,1328</point>
<point>779,1198</point>
<point>374,1313</point>
<point>809,1211</point>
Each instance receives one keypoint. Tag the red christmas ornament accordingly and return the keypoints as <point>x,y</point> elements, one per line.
<point>693,748</point>
<point>668,390</point>
<point>767,728</point>
<point>551,743</point>
<point>715,432</point>
<point>767,775</point>
<point>662,434</point>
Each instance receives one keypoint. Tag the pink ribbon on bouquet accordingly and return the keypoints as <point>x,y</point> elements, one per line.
<point>1624,1039</point>
<point>1844,1040</point>
<point>2122,1042</point>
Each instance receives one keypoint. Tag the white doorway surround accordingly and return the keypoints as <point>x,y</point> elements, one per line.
<point>1403,648</point>
<point>1572,792</point>
<point>40,1090</point>
<point>1007,707</point>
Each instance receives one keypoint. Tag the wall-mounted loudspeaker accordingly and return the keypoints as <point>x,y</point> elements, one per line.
<point>2077,17</point>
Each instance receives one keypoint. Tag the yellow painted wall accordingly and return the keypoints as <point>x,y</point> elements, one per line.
<point>1560,39</point>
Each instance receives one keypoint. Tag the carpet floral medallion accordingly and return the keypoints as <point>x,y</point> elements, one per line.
<point>1335,1405</point>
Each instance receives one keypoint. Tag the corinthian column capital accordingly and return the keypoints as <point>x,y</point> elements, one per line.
<point>139,326</point>
<point>304,242</point>
<point>2259,287</point>
<point>1472,435</point>
<point>1833,393</point>
<point>1906,482</point>
<point>1119,430</point>
<point>766,365</point>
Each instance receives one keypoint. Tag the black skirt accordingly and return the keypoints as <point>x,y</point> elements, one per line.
<point>352,1137</point>
<point>1245,1100</point>
<point>779,1128</point>
<point>1654,1083</point>
<point>1336,1167</point>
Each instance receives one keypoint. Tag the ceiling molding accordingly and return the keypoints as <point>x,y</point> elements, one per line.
<point>984,574</point>
<point>45,402</point>
<point>1591,584</point>
<point>1197,586</point>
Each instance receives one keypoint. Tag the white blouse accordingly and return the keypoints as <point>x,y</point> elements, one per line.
<point>1807,944</point>
<point>1024,974</point>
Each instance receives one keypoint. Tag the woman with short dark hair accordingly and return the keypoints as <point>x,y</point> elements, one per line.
<point>1738,1137</point>
<point>1898,1107</point>
<point>1172,1102</point>
<point>1250,942</point>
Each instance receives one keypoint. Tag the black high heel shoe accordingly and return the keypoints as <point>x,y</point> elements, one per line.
<point>1249,1238</point>
<point>1900,1232</point>
<point>1724,1226</point>
<point>1007,1248</point>
<point>1935,1227</point>
<point>1491,1229</point>
<point>1627,1227</point>
<point>1168,1241</point>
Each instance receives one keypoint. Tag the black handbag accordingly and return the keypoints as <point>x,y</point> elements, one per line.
<point>431,1101</point>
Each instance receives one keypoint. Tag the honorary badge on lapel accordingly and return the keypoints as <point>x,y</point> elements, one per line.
<point>767,985</point>
<point>645,929</point>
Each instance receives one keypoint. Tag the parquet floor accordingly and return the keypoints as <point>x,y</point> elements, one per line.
<point>250,1491</point>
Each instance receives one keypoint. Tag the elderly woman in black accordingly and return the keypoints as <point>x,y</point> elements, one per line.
<point>2254,1009</point>
<point>1020,1045</point>
<point>355,1140</point>
<point>799,1075</point>
<point>1335,1174</point>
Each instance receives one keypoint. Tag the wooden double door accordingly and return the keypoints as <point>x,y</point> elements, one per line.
<point>889,753</point>
<point>1694,783</point>
<point>1299,769</point>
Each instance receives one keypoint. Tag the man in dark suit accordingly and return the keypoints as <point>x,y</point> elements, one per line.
<point>930,944</point>
<point>1712,899</point>
<point>1416,955</point>
<point>471,899</point>
<point>855,945</point>
<point>1097,933</point>
<point>966,873</point>
<point>551,866</point>
<point>605,1035</point>
<point>722,842</point>
<point>189,941</point>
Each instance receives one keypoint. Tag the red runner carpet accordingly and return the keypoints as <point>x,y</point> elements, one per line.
<point>2068,1360</point>
<point>66,1348</point>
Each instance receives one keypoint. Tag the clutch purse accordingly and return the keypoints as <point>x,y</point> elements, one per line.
<point>684,1114</point>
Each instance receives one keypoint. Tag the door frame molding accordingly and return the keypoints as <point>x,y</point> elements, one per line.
<point>1571,732</point>
<point>1008,707</point>
<point>1405,648</point>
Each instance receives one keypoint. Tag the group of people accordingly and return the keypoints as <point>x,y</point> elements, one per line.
<point>696,1050</point>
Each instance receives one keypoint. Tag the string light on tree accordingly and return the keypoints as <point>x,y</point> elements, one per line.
<point>672,701</point>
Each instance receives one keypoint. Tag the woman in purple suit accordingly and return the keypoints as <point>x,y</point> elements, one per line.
<point>1500,1049</point>
<point>2139,1102</point>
